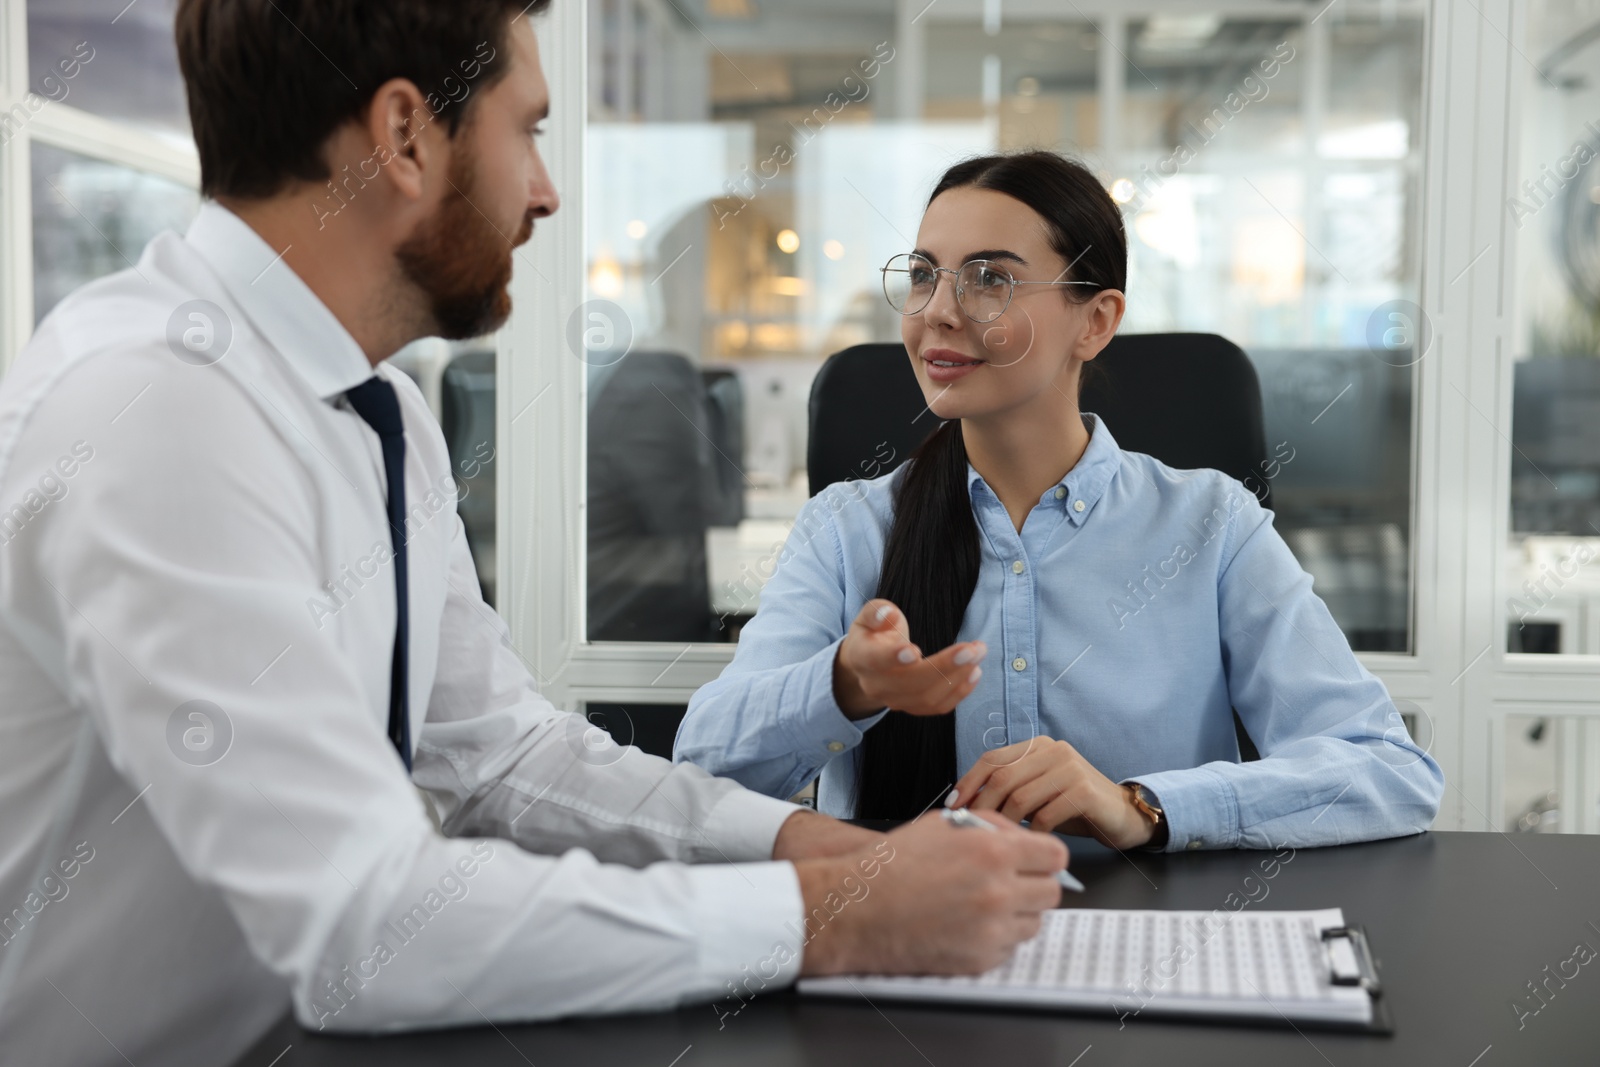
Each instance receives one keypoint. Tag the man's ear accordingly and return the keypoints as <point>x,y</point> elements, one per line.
<point>406,137</point>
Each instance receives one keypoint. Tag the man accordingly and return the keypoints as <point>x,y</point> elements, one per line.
<point>261,741</point>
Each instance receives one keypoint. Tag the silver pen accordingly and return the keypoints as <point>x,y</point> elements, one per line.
<point>963,817</point>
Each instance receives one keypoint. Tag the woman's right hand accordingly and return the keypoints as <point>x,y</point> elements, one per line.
<point>878,667</point>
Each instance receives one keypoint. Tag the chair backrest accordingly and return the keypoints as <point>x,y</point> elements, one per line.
<point>1188,399</point>
<point>725,428</point>
<point>466,395</point>
<point>650,488</point>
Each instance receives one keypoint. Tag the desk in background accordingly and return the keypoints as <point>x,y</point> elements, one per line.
<point>1460,923</point>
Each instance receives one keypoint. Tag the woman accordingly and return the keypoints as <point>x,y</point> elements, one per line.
<point>1129,607</point>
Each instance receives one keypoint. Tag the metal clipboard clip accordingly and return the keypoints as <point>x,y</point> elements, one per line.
<point>1349,958</point>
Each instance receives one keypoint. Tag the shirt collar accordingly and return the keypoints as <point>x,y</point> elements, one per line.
<point>1081,488</point>
<point>280,306</point>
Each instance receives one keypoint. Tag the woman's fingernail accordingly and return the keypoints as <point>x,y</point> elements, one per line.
<point>907,656</point>
<point>883,613</point>
<point>970,654</point>
<point>977,672</point>
<point>950,801</point>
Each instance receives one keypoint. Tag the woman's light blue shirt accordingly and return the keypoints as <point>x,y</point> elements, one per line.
<point>1136,607</point>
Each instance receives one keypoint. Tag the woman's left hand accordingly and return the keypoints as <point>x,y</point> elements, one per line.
<point>1050,784</point>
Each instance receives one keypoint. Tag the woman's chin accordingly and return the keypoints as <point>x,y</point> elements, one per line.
<point>965,398</point>
<point>947,407</point>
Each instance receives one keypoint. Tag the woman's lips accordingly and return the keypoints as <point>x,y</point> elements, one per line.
<point>946,365</point>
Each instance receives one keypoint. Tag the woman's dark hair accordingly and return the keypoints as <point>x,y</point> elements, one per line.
<point>931,556</point>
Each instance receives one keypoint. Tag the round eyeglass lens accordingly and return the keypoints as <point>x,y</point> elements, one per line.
<point>908,283</point>
<point>983,289</point>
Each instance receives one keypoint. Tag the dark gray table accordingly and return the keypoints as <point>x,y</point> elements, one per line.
<point>1460,923</point>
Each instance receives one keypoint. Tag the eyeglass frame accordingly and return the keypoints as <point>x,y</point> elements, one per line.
<point>956,271</point>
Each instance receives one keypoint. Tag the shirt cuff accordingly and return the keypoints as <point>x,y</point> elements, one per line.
<point>749,923</point>
<point>743,826</point>
<point>820,730</point>
<point>1200,806</point>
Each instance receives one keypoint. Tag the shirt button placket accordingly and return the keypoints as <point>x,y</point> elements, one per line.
<point>1022,711</point>
<point>1017,615</point>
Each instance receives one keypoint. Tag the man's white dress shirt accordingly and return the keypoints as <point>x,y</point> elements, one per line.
<point>203,816</point>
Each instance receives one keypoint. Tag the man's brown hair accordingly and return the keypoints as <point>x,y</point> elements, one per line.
<point>269,81</point>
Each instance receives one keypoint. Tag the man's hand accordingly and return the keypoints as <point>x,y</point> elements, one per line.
<point>1051,785</point>
<point>878,667</point>
<point>807,835</point>
<point>930,898</point>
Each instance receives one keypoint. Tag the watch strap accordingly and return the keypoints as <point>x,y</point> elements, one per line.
<point>1141,799</point>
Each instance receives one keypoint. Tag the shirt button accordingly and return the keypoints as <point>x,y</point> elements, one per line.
<point>835,746</point>
<point>1192,845</point>
<point>1019,664</point>
<point>1061,493</point>
<point>1016,567</point>
<point>1077,505</point>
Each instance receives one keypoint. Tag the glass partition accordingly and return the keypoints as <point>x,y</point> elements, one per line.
<point>1271,172</point>
<point>750,167</point>
<point>92,218</point>
<point>111,58</point>
<point>1552,774</point>
<point>1550,578</point>
<point>736,217</point>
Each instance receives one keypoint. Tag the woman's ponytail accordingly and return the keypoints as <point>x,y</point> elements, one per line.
<point>930,568</point>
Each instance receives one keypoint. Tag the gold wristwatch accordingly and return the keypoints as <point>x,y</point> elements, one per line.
<point>1143,801</point>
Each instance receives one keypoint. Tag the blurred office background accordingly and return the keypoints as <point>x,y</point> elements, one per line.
<point>806,137</point>
<point>750,165</point>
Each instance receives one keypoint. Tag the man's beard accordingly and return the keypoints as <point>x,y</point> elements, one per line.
<point>461,262</point>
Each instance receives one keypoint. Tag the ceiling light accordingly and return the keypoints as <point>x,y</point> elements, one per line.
<point>1178,33</point>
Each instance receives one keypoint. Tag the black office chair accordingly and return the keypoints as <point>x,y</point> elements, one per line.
<point>725,428</point>
<point>1188,399</point>
<point>651,488</point>
<point>466,396</point>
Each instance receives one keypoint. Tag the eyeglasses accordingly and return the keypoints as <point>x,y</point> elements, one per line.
<point>983,288</point>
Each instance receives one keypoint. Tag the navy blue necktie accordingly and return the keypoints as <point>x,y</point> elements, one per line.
<point>375,401</point>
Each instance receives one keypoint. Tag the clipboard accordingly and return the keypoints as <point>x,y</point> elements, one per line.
<point>1358,969</point>
<point>1301,969</point>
